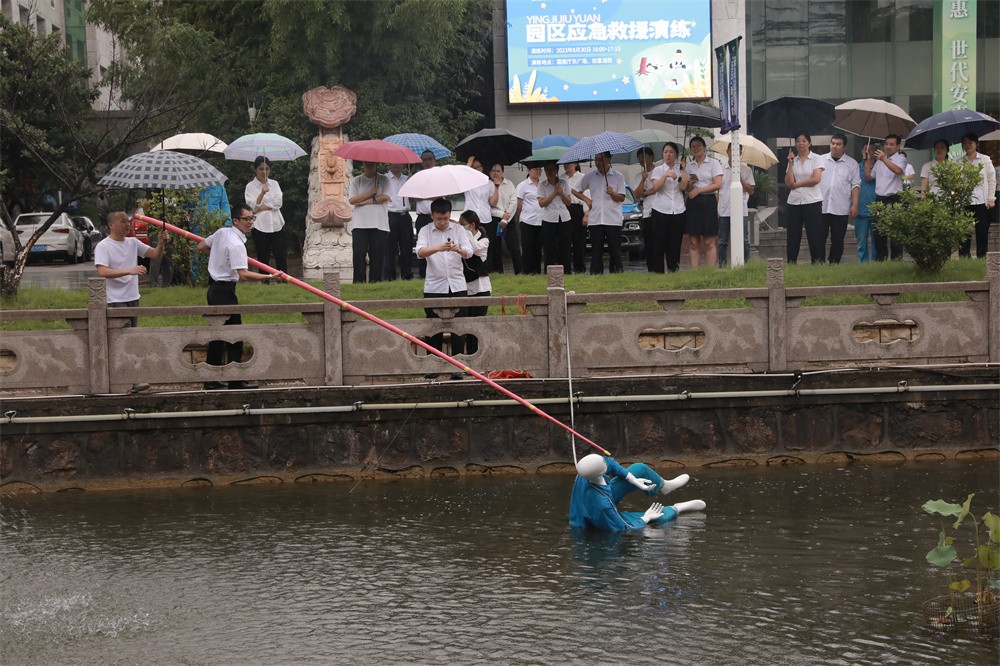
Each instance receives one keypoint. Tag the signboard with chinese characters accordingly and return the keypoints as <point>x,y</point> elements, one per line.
<point>954,55</point>
<point>608,50</point>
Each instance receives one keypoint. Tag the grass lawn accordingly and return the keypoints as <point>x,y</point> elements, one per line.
<point>753,274</point>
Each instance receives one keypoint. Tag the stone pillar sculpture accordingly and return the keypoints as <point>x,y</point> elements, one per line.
<point>328,244</point>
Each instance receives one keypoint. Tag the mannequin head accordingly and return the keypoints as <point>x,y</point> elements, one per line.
<point>591,467</point>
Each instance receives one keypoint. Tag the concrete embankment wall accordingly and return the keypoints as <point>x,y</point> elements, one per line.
<point>462,428</point>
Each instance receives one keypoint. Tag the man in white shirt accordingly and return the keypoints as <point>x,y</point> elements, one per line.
<point>400,241</point>
<point>227,265</point>
<point>117,261</point>
<point>841,186</point>
<point>607,192</point>
<point>444,244</point>
<point>423,206</point>
<point>369,194</point>
<point>886,168</point>
<point>530,217</point>
<point>640,184</point>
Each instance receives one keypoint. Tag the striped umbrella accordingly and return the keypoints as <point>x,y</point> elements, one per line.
<point>605,142</point>
<point>418,143</point>
<point>272,146</point>
<point>162,169</point>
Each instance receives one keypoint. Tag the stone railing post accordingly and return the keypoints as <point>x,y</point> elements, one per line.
<point>777,316</point>
<point>558,366</point>
<point>333,334</point>
<point>97,334</point>
<point>993,316</point>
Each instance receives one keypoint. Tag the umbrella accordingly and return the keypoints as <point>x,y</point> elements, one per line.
<point>872,118</point>
<point>195,141</point>
<point>162,169</point>
<point>992,136</point>
<point>540,156</point>
<point>418,143</point>
<point>950,126</point>
<point>377,150</point>
<point>654,138</point>
<point>272,146</point>
<point>688,114</point>
<point>605,142</point>
<point>752,151</point>
<point>550,140</point>
<point>787,116</point>
<point>442,181</point>
<point>491,146</point>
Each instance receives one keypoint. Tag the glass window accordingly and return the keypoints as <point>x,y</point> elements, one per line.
<point>869,20</point>
<point>988,19</point>
<point>921,20</point>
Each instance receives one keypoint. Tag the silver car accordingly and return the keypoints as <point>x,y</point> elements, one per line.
<point>61,240</point>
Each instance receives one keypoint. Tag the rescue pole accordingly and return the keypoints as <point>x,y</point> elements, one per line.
<point>384,324</point>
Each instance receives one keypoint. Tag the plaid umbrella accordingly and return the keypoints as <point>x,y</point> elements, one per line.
<point>162,169</point>
<point>272,146</point>
<point>605,142</point>
<point>418,143</point>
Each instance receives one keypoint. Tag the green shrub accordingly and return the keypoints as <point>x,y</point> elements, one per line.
<point>930,228</point>
<point>179,208</point>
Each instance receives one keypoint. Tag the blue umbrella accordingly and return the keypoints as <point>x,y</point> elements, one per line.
<point>272,146</point>
<point>418,143</point>
<point>950,126</point>
<point>605,142</point>
<point>553,140</point>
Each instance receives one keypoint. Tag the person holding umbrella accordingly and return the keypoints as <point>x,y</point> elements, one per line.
<point>478,199</point>
<point>805,200</point>
<point>886,168</point>
<point>983,197</point>
<point>607,192</point>
<point>641,183</point>
<point>369,194</point>
<point>264,197</point>
<point>576,213</point>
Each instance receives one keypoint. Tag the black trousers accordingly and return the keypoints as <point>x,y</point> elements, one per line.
<point>885,248</point>
<point>369,252</point>
<point>531,248</point>
<point>494,254</point>
<point>982,232</point>
<point>268,243</point>
<point>423,219</point>
<point>810,216</point>
<point>578,237</point>
<point>836,227</point>
<point>399,247</point>
<point>666,233</point>
<point>219,352</point>
<point>512,240</point>
<point>557,239</point>
<point>599,235</point>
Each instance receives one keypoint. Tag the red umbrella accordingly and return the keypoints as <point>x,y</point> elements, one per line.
<point>377,150</point>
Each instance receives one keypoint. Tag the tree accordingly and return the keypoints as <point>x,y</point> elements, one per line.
<point>53,136</point>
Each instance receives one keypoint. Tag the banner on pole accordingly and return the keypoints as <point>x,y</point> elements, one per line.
<point>734,83</point>
<point>720,57</point>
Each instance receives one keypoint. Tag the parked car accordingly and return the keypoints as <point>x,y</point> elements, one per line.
<point>140,230</point>
<point>91,235</point>
<point>60,240</point>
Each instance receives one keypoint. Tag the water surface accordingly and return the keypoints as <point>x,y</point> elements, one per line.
<point>805,565</point>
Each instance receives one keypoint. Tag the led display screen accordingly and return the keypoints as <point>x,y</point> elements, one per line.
<point>565,51</point>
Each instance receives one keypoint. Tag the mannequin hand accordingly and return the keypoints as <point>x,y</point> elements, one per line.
<point>654,512</point>
<point>644,485</point>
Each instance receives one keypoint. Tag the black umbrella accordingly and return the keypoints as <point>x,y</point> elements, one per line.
<point>491,146</point>
<point>688,114</point>
<point>787,116</point>
<point>950,126</point>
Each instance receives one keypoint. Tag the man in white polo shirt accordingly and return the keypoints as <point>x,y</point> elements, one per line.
<point>886,168</point>
<point>841,187</point>
<point>607,192</point>
<point>400,241</point>
<point>444,244</point>
<point>227,265</point>
<point>117,261</point>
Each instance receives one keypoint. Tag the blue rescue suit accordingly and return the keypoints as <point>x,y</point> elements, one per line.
<point>596,506</point>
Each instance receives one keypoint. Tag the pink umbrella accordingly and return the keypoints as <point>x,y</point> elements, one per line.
<point>442,181</point>
<point>377,150</point>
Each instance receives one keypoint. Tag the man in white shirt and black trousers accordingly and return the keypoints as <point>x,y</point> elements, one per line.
<point>400,241</point>
<point>227,265</point>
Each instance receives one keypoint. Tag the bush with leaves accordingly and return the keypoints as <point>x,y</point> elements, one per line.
<point>930,228</point>
<point>184,209</point>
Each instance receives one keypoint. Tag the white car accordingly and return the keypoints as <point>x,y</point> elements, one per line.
<point>62,239</point>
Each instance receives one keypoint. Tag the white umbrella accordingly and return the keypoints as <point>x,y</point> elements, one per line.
<point>192,141</point>
<point>992,136</point>
<point>272,146</point>
<point>755,152</point>
<point>872,118</point>
<point>442,181</point>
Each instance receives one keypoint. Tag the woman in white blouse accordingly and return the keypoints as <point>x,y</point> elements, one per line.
<point>702,216</point>
<point>927,183</point>
<point>263,195</point>
<point>805,200</point>
<point>666,198</point>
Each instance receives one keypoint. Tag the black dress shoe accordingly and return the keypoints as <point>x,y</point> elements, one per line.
<point>214,386</point>
<point>243,385</point>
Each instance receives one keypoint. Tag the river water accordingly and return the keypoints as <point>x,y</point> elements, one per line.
<point>803,565</point>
